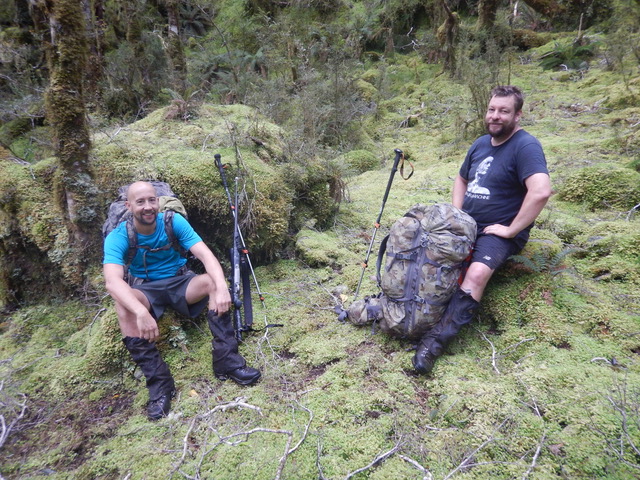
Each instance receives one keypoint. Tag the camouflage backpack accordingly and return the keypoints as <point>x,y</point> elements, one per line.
<point>425,251</point>
<point>168,203</point>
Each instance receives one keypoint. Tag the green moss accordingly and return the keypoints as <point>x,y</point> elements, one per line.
<point>602,186</point>
<point>360,161</point>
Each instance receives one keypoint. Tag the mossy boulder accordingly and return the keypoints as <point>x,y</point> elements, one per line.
<point>277,194</point>
<point>318,249</point>
<point>359,161</point>
<point>603,186</point>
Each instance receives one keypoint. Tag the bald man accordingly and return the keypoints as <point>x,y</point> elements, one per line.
<point>158,278</point>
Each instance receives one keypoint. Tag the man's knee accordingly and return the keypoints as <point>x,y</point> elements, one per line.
<point>199,287</point>
<point>476,279</point>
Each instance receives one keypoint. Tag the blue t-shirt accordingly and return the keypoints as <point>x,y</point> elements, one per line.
<point>161,264</point>
<point>496,175</point>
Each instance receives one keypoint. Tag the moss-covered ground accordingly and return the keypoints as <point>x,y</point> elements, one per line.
<point>545,384</point>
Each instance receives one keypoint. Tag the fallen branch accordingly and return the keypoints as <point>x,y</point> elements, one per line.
<point>464,463</point>
<point>379,459</point>
<point>427,474</point>
<point>535,457</point>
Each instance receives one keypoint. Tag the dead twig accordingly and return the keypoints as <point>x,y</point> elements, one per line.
<point>427,474</point>
<point>535,457</point>
<point>376,461</point>
<point>464,463</point>
<point>493,352</point>
<point>237,438</point>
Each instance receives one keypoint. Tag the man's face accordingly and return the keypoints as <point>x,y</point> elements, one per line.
<point>143,203</point>
<point>501,119</point>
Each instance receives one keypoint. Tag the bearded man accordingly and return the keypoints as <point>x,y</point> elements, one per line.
<point>503,184</point>
<point>158,278</point>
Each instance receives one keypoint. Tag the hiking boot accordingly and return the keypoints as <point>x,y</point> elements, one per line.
<point>160,407</point>
<point>226,361</point>
<point>242,376</point>
<point>424,359</point>
<point>159,380</point>
<point>459,312</point>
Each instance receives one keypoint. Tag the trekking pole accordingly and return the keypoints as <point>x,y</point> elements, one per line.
<point>240,246</point>
<point>394,169</point>
<point>235,269</point>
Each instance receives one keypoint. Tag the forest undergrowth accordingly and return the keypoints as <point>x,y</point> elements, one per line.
<point>543,385</point>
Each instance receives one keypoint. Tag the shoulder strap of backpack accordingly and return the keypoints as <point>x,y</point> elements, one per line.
<point>168,228</point>
<point>132,237</point>
<point>381,251</point>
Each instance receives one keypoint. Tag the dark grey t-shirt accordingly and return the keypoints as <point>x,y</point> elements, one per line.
<point>496,175</point>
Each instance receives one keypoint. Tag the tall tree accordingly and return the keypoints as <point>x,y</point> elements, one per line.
<point>94,20</point>
<point>175,50</point>
<point>487,10</point>
<point>66,113</point>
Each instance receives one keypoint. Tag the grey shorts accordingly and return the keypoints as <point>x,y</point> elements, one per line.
<point>493,251</point>
<point>171,292</point>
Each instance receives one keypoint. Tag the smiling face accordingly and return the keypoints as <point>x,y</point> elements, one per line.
<point>143,204</point>
<point>502,119</point>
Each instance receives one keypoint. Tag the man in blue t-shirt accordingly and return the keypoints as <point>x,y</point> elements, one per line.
<point>504,185</point>
<point>158,278</point>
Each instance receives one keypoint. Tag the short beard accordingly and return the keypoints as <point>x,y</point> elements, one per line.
<point>505,131</point>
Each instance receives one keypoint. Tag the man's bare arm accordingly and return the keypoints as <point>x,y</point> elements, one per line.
<point>214,270</point>
<point>538,193</point>
<point>459,189</point>
<point>137,321</point>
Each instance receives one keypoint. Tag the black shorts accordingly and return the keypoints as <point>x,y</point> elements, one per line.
<point>493,251</point>
<point>171,292</point>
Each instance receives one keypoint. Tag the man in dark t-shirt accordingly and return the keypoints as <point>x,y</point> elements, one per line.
<point>503,184</point>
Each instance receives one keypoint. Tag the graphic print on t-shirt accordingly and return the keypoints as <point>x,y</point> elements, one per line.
<point>475,187</point>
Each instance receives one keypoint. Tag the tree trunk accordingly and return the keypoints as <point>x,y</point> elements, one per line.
<point>66,113</point>
<point>94,20</point>
<point>487,10</point>
<point>176,52</point>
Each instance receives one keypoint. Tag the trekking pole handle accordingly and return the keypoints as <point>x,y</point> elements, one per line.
<point>394,169</point>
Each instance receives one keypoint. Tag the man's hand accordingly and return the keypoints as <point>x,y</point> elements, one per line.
<point>147,326</point>
<point>222,300</point>
<point>499,231</point>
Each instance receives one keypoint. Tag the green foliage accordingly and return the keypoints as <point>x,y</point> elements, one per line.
<point>569,56</point>
<point>540,262</point>
<point>602,186</point>
<point>359,161</point>
<point>134,74</point>
<point>542,385</point>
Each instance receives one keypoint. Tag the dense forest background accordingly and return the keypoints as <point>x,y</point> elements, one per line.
<point>306,102</point>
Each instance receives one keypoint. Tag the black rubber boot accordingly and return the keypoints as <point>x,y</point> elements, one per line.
<point>459,312</point>
<point>227,362</point>
<point>159,380</point>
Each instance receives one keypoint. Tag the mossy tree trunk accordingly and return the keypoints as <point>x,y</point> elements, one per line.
<point>176,52</point>
<point>94,20</point>
<point>66,113</point>
<point>447,35</point>
<point>487,10</point>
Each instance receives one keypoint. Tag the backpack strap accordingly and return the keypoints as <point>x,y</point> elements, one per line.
<point>168,228</point>
<point>132,236</point>
<point>381,250</point>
